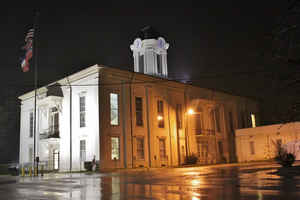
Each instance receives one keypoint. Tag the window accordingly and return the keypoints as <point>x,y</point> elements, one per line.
<point>55,159</point>
<point>141,63</point>
<point>220,144</point>
<point>230,122</point>
<point>115,148</point>
<point>140,148</point>
<point>159,63</point>
<point>179,116</point>
<point>31,124</point>
<point>160,114</point>
<point>198,122</point>
<point>212,120</point>
<point>162,149</point>
<point>54,121</point>
<point>202,148</point>
<point>30,154</point>
<point>139,111</point>
<point>82,150</point>
<point>252,148</point>
<point>279,142</point>
<point>253,121</point>
<point>82,111</point>
<point>217,117</point>
<point>114,109</point>
<point>242,118</point>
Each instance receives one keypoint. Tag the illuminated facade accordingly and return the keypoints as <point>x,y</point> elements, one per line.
<point>131,119</point>
<point>53,133</point>
<point>259,143</point>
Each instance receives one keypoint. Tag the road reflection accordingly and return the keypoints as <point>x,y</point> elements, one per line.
<point>176,185</point>
<point>225,183</point>
<point>221,183</point>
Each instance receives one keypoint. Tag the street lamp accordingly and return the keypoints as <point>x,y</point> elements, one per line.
<point>159,118</point>
<point>191,111</point>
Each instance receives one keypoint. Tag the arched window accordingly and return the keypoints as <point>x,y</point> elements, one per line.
<point>159,63</point>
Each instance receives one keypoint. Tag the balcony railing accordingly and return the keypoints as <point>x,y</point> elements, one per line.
<point>52,132</point>
<point>204,132</point>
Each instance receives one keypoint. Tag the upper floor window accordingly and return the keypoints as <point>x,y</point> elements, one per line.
<point>179,116</point>
<point>218,121</point>
<point>114,109</point>
<point>215,119</point>
<point>160,114</point>
<point>82,111</point>
<point>54,120</point>
<point>198,123</point>
<point>242,118</point>
<point>231,122</point>
<point>159,63</point>
<point>139,111</point>
<point>141,63</point>
<point>31,124</point>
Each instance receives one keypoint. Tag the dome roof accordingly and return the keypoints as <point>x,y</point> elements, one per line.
<point>148,32</point>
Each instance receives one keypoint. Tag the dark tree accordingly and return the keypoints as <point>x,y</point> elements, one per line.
<point>286,49</point>
<point>9,125</point>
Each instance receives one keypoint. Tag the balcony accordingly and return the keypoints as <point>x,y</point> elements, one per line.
<point>52,132</point>
<point>204,132</point>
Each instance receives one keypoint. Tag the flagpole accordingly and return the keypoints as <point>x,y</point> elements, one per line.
<point>35,81</point>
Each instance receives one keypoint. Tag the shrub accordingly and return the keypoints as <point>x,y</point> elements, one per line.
<point>282,157</point>
<point>191,159</point>
<point>88,165</point>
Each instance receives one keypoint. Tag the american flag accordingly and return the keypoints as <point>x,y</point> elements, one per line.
<point>27,48</point>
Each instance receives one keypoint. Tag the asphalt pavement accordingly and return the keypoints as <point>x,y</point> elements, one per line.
<point>230,181</point>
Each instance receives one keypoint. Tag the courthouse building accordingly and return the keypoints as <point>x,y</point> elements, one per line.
<point>130,119</point>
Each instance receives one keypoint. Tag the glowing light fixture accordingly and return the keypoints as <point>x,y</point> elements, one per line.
<point>159,117</point>
<point>253,120</point>
<point>195,182</point>
<point>195,198</point>
<point>191,111</point>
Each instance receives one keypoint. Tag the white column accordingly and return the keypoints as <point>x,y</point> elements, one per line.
<point>136,61</point>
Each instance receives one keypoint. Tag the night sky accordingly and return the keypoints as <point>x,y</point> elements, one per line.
<point>216,44</point>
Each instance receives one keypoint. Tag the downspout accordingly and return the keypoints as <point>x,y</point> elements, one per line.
<point>186,125</point>
<point>170,135</point>
<point>131,131</point>
<point>70,124</point>
<point>178,136</point>
<point>148,126</point>
<point>123,121</point>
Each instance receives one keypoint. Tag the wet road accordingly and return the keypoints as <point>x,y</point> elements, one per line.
<point>199,183</point>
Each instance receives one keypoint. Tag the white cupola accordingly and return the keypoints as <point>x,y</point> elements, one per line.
<point>150,53</point>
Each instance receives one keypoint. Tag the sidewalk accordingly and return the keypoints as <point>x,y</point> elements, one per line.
<point>145,169</point>
<point>188,166</point>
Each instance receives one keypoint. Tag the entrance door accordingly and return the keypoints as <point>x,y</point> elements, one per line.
<point>202,147</point>
<point>56,159</point>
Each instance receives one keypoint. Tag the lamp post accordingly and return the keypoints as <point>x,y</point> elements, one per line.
<point>209,132</point>
<point>190,111</point>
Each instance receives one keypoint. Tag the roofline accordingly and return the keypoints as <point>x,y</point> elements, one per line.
<point>71,78</point>
<point>97,67</point>
<point>181,83</point>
